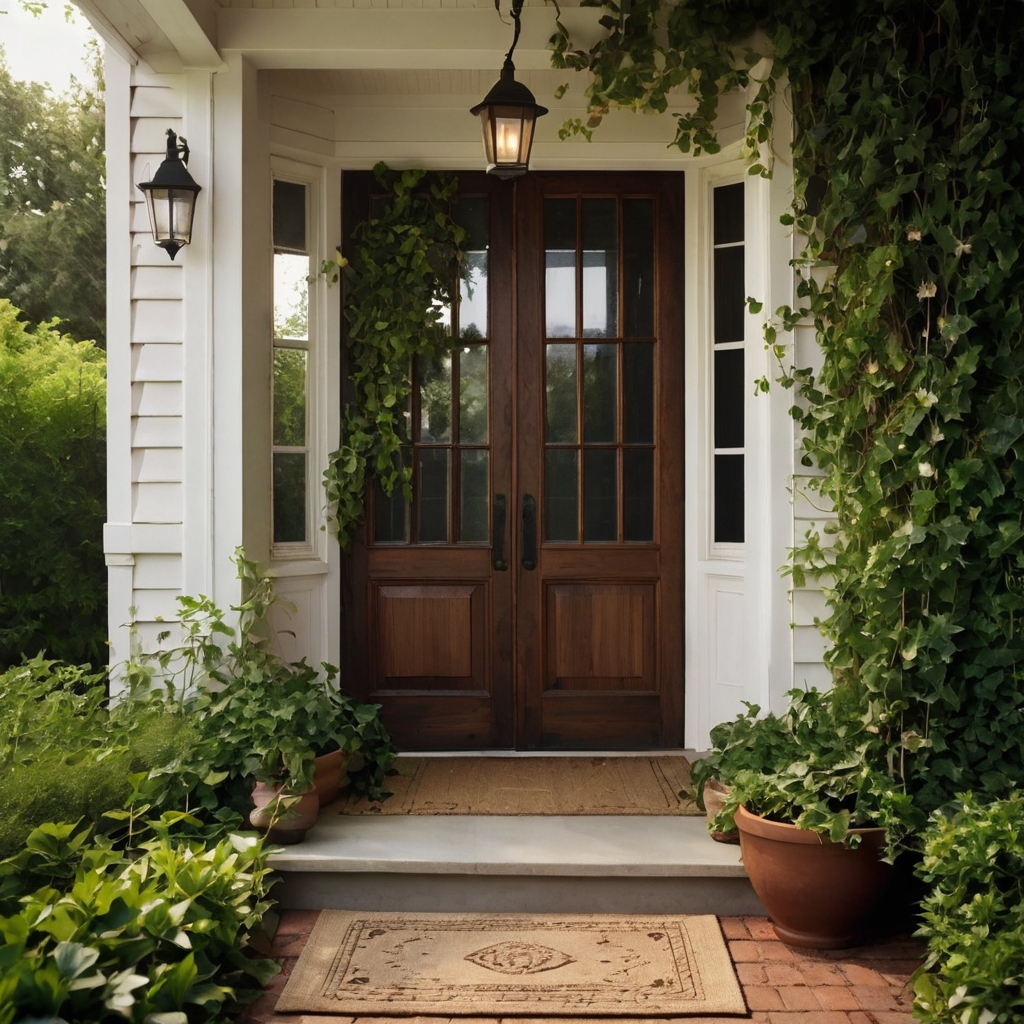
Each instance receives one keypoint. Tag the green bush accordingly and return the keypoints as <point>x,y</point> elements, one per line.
<point>974,915</point>
<point>53,484</point>
<point>157,935</point>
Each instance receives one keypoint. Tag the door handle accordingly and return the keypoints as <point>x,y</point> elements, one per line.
<point>499,533</point>
<point>529,532</point>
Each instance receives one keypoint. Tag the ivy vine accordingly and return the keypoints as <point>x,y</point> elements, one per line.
<point>909,178</point>
<point>400,275</point>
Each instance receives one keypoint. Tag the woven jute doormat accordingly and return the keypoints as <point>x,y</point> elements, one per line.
<point>535,785</point>
<point>501,965</point>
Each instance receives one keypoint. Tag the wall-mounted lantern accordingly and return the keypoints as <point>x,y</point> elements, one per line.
<point>171,197</point>
<point>508,114</point>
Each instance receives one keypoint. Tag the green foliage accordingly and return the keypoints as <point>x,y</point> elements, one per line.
<point>974,915</point>
<point>52,480</point>
<point>814,766</point>
<point>52,203</point>
<point>909,118</point>
<point>156,935</point>
<point>65,757</point>
<point>252,714</point>
<point>403,268</point>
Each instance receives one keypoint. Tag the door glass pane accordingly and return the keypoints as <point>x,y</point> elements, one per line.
<point>638,393</point>
<point>560,520</point>
<point>435,388</point>
<point>291,296</point>
<point>473,504</point>
<point>638,268</point>
<point>729,398</point>
<point>600,393</point>
<point>600,495</point>
<point>560,267</point>
<point>433,496</point>
<point>289,497</point>
<point>390,516</point>
<point>600,268</point>
<point>473,291</point>
<point>729,499</point>
<point>473,394</point>
<point>290,397</point>
<point>561,394</point>
<point>729,290</point>
<point>638,494</point>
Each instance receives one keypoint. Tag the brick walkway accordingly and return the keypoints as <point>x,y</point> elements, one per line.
<point>782,985</point>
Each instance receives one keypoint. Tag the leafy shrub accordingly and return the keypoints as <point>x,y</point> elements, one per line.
<point>53,483</point>
<point>974,915</point>
<point>157,935</point>
<point>65,757</point>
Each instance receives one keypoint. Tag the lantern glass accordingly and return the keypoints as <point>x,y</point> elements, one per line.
<point>171,211</point>
<point>508,136</point>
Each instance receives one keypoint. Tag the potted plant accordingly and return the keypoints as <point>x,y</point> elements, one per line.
<point>818,816</point>
<point>266,720</point>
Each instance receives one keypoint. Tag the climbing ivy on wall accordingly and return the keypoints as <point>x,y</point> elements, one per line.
<point>401,273</point>
<point>909,118</point>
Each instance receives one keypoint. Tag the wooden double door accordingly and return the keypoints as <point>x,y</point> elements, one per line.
<point>530,596</point>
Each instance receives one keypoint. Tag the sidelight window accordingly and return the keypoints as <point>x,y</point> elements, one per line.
<point>728,391</point>
<point>599,450</point>
<point>449,435</point>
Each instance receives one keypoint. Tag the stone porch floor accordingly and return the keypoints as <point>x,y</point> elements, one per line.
<point>782,985</point>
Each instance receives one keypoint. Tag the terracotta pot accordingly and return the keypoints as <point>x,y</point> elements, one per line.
<point>819,894</point>
<point>329,776</point>
<point>715,794</point>
<point>284,825</point>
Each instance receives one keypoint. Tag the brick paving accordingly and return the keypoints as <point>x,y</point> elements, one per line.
<point>782,985</point>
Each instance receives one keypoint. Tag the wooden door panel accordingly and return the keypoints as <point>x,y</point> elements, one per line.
<point>429,637</point>
<point>611,721</point>
<point>600,636</point>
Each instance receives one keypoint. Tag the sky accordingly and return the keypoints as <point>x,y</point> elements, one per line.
<point>44,49</point>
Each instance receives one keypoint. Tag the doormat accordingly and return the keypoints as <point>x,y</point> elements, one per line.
<point>534,785</point>
<point>524,965</point>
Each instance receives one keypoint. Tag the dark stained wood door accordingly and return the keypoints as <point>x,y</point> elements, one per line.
<point>531,595</point>
<point>599,472</point>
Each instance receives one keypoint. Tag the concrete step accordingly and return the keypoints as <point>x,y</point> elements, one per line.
<point>571,864</point>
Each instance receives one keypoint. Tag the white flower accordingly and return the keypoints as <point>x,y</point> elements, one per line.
<point>872,366</point>
<point>937,435</point>
<point>962,249</point>
<point>926,469</point>
<point>927,290</point>
<point>926,398</point>
<point>913,235</point>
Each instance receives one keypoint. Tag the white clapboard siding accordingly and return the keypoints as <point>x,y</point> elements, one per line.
<point>157,320</point>
<point>145,253</point>
<point>144,165</point>
<point>157,282</point>
<point>156,398</point>
<point>308,118</point>
<point>149,134</point>
<point>156,362</point>
<point>159,101</point>
<point>154,605</point>
<point>811,676</point>
<point>157,572</point>
<point>808,605</point>
<point>150,636</point>
<point>156,432</point>
<point>156,465</point>
<point>156,503</point>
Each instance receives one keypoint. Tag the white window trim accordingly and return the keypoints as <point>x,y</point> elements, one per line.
<point>313,549</point>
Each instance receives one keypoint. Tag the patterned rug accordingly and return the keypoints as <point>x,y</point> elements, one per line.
<point>534,785</point>
<point>525,965</point>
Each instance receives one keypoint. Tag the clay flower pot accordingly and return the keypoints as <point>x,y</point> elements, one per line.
<point>715,794</point>
<point>283,824</point>
<point>819,894</point>
<point>329,776</point>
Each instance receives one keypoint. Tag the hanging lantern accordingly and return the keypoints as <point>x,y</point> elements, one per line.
<point>508,114</point>
<point>171,198</point>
